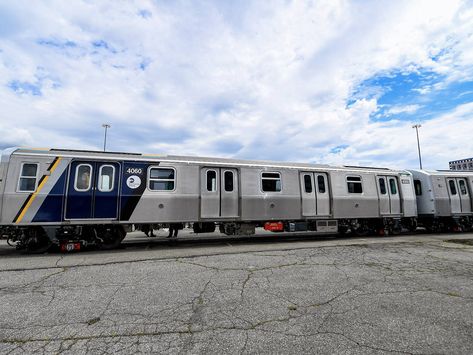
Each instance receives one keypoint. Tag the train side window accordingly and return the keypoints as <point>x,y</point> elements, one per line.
<point>162,179</point>
<point>307,184</point>
<point>271,182</point>
<point>392,186</point>
<point>382,186</point>
<point>211,180</point>
<point>28,177</point>
<point>453,189</point>
<point>354,184</point>
<point>228,181</point>
<point>321,183</point>
<point>83,180</point>
<point>462,185</point>
<point>418,187</point>
<point>106,178</point>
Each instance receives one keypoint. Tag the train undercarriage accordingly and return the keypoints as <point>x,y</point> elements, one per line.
<point>38,239</point>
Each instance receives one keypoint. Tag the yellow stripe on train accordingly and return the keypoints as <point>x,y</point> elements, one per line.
<point>38,189</point>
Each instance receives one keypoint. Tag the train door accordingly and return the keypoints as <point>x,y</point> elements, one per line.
<point>92,190</point>
<point>219,193</point>
<point>315,194</point>
<point>309,202</point>
<point>465,202</point>
<point>384,202</point>
<point>394,199</point>
<point>455,204</point>
<point>388,194</point>
<point>323,198</point>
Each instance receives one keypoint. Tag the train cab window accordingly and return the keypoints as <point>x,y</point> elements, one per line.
<point>211,180</point>
<point>271,182</point>
<point>321,183</point>
<point>382,186</point>
<point>106,178</point>
<point>307,184</point>
<point>462,185</point>
<point>354,184</point>
<point>228,181</point>
<point>418,187</point>
<point>162,179</point>
<point>392,186</point>
<point>28,177</point>
<point>83,180</point>
<point>453,189</point>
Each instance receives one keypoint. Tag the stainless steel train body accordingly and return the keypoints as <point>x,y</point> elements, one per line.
<point>70,194</point>
<point>444,199</point>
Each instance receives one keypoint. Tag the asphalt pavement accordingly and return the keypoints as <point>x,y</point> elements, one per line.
<point>404,294</point>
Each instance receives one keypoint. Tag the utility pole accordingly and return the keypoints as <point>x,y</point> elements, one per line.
<point>417,126</point>
<point>106,126</point>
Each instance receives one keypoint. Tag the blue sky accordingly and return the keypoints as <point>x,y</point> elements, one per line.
<point>338,82</point>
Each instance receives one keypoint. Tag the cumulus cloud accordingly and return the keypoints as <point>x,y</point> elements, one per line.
<point>261,80</point>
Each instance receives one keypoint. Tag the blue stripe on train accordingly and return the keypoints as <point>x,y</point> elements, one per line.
<point>51,208</point>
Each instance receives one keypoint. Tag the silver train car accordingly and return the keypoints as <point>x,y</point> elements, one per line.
<point>444,199</point>
<point>72,197</point>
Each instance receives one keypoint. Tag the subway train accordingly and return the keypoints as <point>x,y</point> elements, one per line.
<point>72,199</point>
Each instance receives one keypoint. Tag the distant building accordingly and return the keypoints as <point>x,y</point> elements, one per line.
<point>463,164</point>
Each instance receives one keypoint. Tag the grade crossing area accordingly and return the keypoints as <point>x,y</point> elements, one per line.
<point>292,294</point>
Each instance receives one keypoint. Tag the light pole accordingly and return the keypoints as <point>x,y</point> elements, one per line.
<point>417,126</point>
<point>106,126</point>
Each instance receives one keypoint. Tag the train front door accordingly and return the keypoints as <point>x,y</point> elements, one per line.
<point>92,191</point>
<point>388,195</point>
<point>219,193</point>
<point>315,194</point>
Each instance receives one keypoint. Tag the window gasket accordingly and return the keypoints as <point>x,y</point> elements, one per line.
<point>394,185</point>
<point>271,178</point>
<point>207,180</point>
<point>161,167</point>
<point>18,189</point>
<point>100,175</point>
<point>358,180</point>
<point>224,181</point>
<point>90,177</point>
<point>324,183</point>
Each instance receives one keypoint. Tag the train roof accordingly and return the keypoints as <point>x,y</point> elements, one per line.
<point>90,154</point>
<point>444,172</point>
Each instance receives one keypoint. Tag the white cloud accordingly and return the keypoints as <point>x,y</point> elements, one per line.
<point>259,79</point>
<point>397,109</point>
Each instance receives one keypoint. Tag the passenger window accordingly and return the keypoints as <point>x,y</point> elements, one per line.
<point>321,183</point>
<point>162,179</point>
<point>228,177</point>
<point>354,184</point>
<point>271,182</point>
<point>28,176</point>
<point>382,186</point>
<point>83,180</point>
<point>211,180</point>
<point>418,187</point>
<point>106,178</point>
<point>453,189</point>
<point>462,185</point>
<point>307,184</point>
<point>392,185</point>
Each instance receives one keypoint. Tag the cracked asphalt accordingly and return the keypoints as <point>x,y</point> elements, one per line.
<point>407,295</point>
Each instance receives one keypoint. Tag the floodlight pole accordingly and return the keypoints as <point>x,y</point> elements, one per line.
<point>417,126</point>
<point>106,126</point>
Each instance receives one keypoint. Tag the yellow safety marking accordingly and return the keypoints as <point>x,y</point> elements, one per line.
<point>38,189</point>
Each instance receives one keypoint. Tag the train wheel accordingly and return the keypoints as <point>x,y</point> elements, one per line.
<point>36,241</point>
<point>110,237</point>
